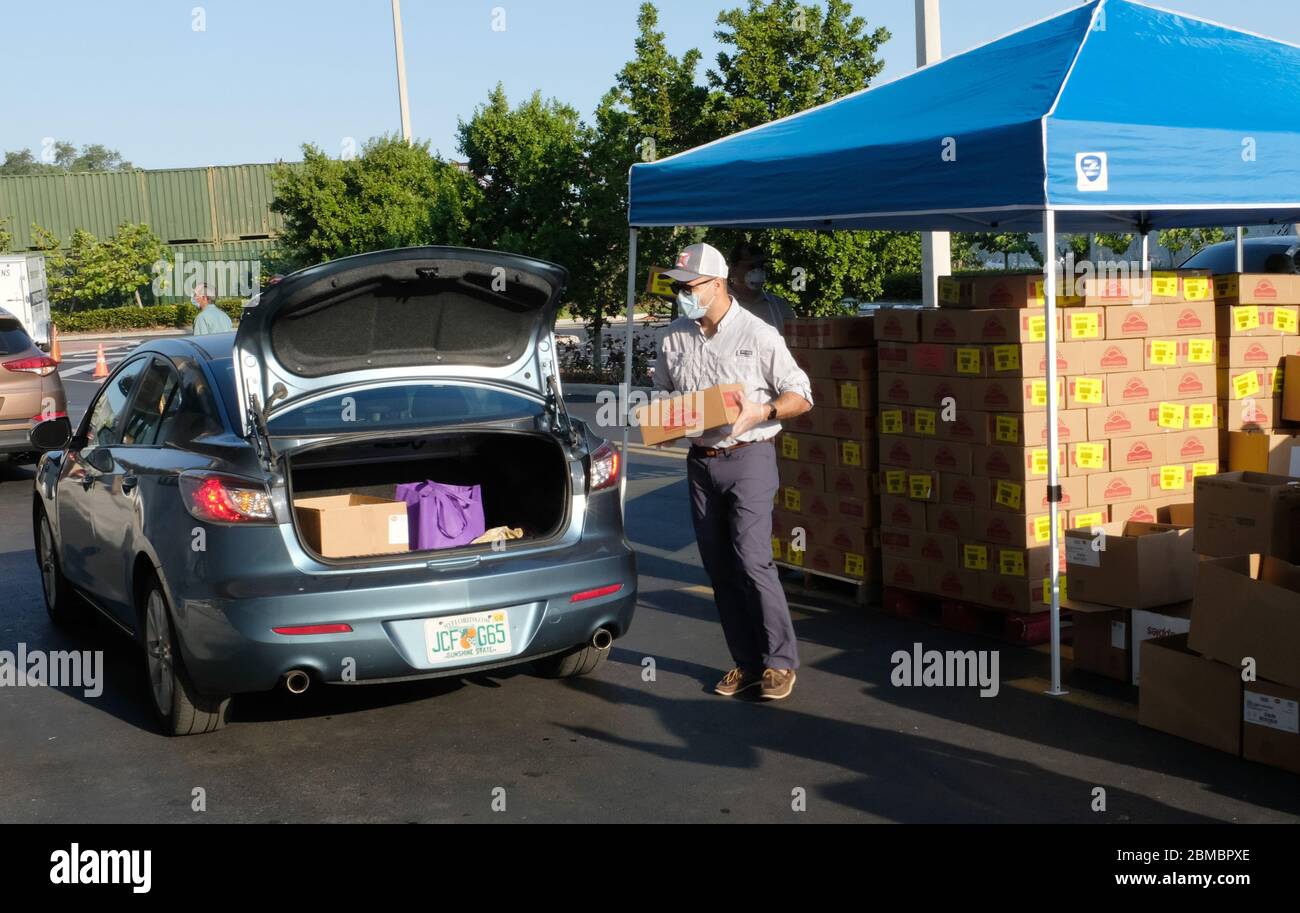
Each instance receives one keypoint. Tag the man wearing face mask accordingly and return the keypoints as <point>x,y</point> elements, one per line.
<point>746,281</point>
<point>731,470</point>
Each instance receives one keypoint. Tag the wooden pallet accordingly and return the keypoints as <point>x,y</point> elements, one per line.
<point>1028,629</point>
<point>836,586</point>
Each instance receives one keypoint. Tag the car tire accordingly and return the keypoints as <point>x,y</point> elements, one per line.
<point>582,660</point>
<point>62,603</point>
<point>180,708</point>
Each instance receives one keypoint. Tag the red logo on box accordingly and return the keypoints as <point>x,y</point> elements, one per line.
<point>1118,421</point>
<point>1135,389</point>
<point>1256,352</point>
<point>1139,453</point>
<point>1192,448</point>
<point>903,574</point>
<point>1265,289</point>
<point>1134,323</point>
<point>1188,320</point>
<point>1114,357</point>
<point>1117,490</point>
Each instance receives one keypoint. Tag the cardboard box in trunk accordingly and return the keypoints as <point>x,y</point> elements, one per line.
<point>1270,730</point>
<point>1242,513</point>
<point>1190,696</point>
<point>671,418</point>
<point>1249,606</point>
<point>352,525</point>
<point>1132,565</point>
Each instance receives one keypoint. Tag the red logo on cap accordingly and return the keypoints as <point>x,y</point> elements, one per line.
<point>683,258</point>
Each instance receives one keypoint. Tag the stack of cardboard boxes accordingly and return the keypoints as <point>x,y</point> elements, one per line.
<point>826,514</point>
<point>963,409</point>
<point>1232,681</point>
<point>1258,328</point>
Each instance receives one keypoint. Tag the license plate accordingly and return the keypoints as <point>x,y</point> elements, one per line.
<point>467,638</point>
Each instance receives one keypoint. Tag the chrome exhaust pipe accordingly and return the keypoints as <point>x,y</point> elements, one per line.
<point>603,639</point>
<point>296,681</point>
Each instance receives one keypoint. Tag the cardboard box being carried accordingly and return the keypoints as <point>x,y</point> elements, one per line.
<point>1248,607</point>
<point>1131,565</point>
<point>1242,513</point>
<point>1189,696</point>
<point>688,414</point>
<point>351,525</point>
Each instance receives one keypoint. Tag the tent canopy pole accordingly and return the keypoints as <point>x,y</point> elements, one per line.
<point>1053,464</point>
<point>625,409</point>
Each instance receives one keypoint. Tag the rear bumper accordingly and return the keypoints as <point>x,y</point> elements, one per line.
<point>229,645</point>
<point>16,440</point>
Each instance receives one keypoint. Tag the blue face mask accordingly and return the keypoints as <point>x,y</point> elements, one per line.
<point>690,304</point>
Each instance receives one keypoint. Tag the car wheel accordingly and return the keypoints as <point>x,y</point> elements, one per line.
<point>582,660</point>
<point>181,709</point>
<point>62,604</point>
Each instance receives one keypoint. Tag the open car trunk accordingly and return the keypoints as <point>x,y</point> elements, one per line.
<point>523,477</point>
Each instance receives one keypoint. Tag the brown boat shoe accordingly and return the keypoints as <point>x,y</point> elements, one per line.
<point>777,684</point>
<point>736,681</point>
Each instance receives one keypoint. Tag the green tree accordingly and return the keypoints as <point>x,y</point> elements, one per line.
<point>1117,244</point>
<point>1175,240</point>
<point>91,272</point>
<point>1007,243</point>
<point>394,194</point>
<point>6,237</point>
<point>64,157</point>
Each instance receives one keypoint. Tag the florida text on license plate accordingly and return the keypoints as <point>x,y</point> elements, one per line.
<point>465,638</point>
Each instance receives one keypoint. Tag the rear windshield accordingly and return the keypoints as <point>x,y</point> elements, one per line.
<point>403,406</point>
<point>13,338</point>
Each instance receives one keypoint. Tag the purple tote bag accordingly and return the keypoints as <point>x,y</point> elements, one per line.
<point>441,515</point>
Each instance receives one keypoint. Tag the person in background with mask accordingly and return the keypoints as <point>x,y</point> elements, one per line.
<point>210,319</point>
<point>731,471</point>
<point>747,279</point>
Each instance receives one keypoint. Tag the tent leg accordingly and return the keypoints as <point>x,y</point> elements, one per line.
<point>1053,463</point>
<point>1241,249</point>
<point>1146,252</point>
<point>625,410</point>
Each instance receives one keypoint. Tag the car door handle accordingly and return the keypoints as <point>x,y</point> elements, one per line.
<point>128,484</point>
<point>87,480</point>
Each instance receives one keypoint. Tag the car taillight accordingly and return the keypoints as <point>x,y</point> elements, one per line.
<point>225,499</point>
<point>605,463</point>
<point>48,416</point>
<point>40,365</point>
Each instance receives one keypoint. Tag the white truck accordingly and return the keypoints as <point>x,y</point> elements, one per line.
<point>23,293</point>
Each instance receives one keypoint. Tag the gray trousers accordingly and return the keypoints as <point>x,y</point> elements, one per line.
<point>731,505</point>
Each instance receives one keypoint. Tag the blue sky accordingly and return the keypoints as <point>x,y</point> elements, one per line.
<point>264,76</point>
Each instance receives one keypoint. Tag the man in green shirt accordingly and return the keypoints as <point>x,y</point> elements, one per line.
<point>211,319</point>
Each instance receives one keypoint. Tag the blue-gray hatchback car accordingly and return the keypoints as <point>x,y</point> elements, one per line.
<point>171,508</point>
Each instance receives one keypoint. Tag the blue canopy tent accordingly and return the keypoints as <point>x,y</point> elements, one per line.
<point>1044,129</point>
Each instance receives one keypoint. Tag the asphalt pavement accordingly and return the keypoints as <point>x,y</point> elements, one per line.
<point>643,739</point>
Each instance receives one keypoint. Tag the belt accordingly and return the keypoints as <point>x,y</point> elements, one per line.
<point>722,451</point>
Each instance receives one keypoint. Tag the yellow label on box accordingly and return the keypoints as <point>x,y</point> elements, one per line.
<point>1196,288</point>
<point>1173,478</point>
<point>1090,456</point>
<point>968,361</point>
<point>950,291</point>
<point>1171,416</point>
<point>1164,285</point>
<point>849,396</point>
<point>789,447</point>
<point>854,565</point>
<point>1164,352</point>
<point>1011,562</point>
<point>794,556</point>
<point>1038,461</point>
<point>1200,415</point>
<point>895,482</point>
<point>1043,529</point>
<point>1047,589</point>
<point>793,499</point>
<point>1244,385</point>
<point>1200,351</point>
<point>920,487</point>
<point>1037,328</point>
<point>1006,358</point>
<point>1007,429</point>
<point>776,548</point>
<point>1089,390</point>
<point>925,421</point>
<point>1285,320</point>
<point>1279,375</point>
<point>1008,494</point>
<point>891,422</point>
<point>1085,326</point>
<point>975,557</point>
<point>1088,520</point>
<point>850,453</point>
<point>1245,318</point>
<point>1038,392</point>
<point>1204,469</point>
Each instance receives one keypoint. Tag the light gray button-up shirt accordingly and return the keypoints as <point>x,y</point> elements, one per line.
<point>744,350</point>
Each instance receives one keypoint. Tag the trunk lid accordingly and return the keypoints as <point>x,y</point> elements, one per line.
<point>401,315</point>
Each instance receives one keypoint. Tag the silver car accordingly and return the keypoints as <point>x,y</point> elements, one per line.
<point>171,508</point>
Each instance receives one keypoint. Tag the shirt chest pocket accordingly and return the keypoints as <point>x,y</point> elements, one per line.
<point>736,366</point>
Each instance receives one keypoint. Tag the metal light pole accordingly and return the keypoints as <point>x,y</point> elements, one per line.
<point>401,70</point>
<point>936,247</point>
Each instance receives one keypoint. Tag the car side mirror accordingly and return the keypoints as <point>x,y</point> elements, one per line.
<point>52,434</point>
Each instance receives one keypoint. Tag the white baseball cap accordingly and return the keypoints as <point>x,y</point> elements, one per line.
<point>696,262</point>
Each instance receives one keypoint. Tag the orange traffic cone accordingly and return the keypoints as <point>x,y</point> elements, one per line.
<point>56,350</point>
<point>101,364</point>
